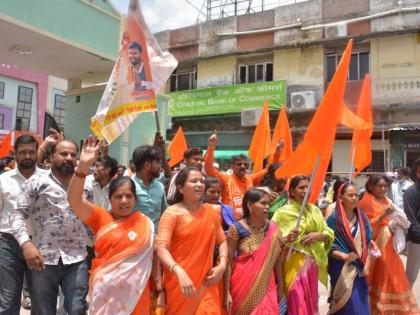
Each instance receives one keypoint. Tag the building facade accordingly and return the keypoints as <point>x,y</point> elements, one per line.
<point>300,44</point>
<point>55,56</point>
<point>26,96</point>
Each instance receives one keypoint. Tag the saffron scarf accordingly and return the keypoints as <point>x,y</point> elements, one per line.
<point>118,282</point>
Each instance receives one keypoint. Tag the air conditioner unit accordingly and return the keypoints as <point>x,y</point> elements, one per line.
<point>250,117</point>
<point>335,31</point>
<point>303,100</point>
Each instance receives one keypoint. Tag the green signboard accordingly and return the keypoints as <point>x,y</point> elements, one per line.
<point>227,99</point>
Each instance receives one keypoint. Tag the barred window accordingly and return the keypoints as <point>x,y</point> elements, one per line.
<point>23,109</point>
<point>259,72</point>
<point>60,110</point>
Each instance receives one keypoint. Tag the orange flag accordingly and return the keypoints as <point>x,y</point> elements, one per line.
<point>360,143</point>
<point>320,136</point>
<point>281,131</point>
<point>260,144</point>
<point>6,146</point>
<point>351,120</point>
<point>177,148</point>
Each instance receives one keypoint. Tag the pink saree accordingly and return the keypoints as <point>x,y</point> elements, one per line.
<point>253,286</point>
<point>300,277</point>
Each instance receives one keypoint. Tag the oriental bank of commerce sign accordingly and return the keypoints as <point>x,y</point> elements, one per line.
<point>227,99</point>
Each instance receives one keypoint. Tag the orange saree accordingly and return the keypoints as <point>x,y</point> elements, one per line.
<point>191,239</point>
<point>389,290</point>
<point>118,283</point>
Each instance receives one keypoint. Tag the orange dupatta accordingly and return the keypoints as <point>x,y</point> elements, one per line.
<point>389,290</point>
<point>374,208</point>
<point>120,274</point>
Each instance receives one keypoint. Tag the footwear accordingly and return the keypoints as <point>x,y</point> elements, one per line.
<point>26,303</point>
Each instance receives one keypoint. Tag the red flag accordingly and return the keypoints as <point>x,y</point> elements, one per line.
<point>6,146</point>
<point>281,131</point>
<point>260,144</point>
<point>320,136</point>
<point>361,138</point>
<point>177,148</point>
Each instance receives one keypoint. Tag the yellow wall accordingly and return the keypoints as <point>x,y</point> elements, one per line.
<point>395,69</point>
<point>216,71</point>
<point>300,65</point>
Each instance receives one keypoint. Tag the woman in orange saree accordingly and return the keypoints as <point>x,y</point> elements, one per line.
<point>124,244</point>
<point>188,233</point>
<point>389,290</point>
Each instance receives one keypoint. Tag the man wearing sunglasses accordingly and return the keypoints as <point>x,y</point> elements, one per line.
<point>234,186</point>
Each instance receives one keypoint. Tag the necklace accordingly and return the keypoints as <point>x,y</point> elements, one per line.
<point>258,228</point>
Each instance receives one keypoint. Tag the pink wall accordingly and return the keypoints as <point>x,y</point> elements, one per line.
<point>38,78</point>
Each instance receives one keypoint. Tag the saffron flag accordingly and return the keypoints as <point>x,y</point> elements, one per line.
<point>139,71</point>
<point>6,145</point>
<point>320,136</point>
<point>260,144</point>
<point>281,131</point>
<point>177,148</point>
<point>360,143</point>
<point>351,120</point>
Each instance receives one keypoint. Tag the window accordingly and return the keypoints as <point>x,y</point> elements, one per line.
<point>2,84</point>
<point>1,121</point>
<point>23,110</point>
<point>181,81</point>
<point>359,65</point>
<point>377,164</point>
<point>59,110</point>
<point>258,72</point>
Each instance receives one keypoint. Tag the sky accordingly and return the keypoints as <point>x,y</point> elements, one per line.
<point>161,15</point>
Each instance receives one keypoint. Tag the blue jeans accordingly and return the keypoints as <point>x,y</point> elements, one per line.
<point>12,270</point>
<point>73,280</point>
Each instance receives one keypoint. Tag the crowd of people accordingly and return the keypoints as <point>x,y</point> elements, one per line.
<point>107,239</point>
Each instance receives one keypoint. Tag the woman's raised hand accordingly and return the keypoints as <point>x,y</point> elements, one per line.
<point>90,151</point>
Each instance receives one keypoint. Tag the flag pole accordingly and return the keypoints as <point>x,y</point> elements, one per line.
<point>157,121</point>
<point>305,199</point>
<point>353,153</point>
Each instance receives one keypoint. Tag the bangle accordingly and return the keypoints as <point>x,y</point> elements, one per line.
<point>42,149</point>
<point>172,267</point>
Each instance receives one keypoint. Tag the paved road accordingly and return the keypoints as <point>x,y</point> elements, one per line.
<point>324,295</point>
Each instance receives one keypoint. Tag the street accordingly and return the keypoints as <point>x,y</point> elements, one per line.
<point>323,305</point>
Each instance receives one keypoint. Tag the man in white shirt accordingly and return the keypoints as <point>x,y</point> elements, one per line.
<point>56,251</point>
<point>97,185</point>
<point>399,187</point>
<point>12,262</point>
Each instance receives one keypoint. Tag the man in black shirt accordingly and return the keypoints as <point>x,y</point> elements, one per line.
<point>412,209</point>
